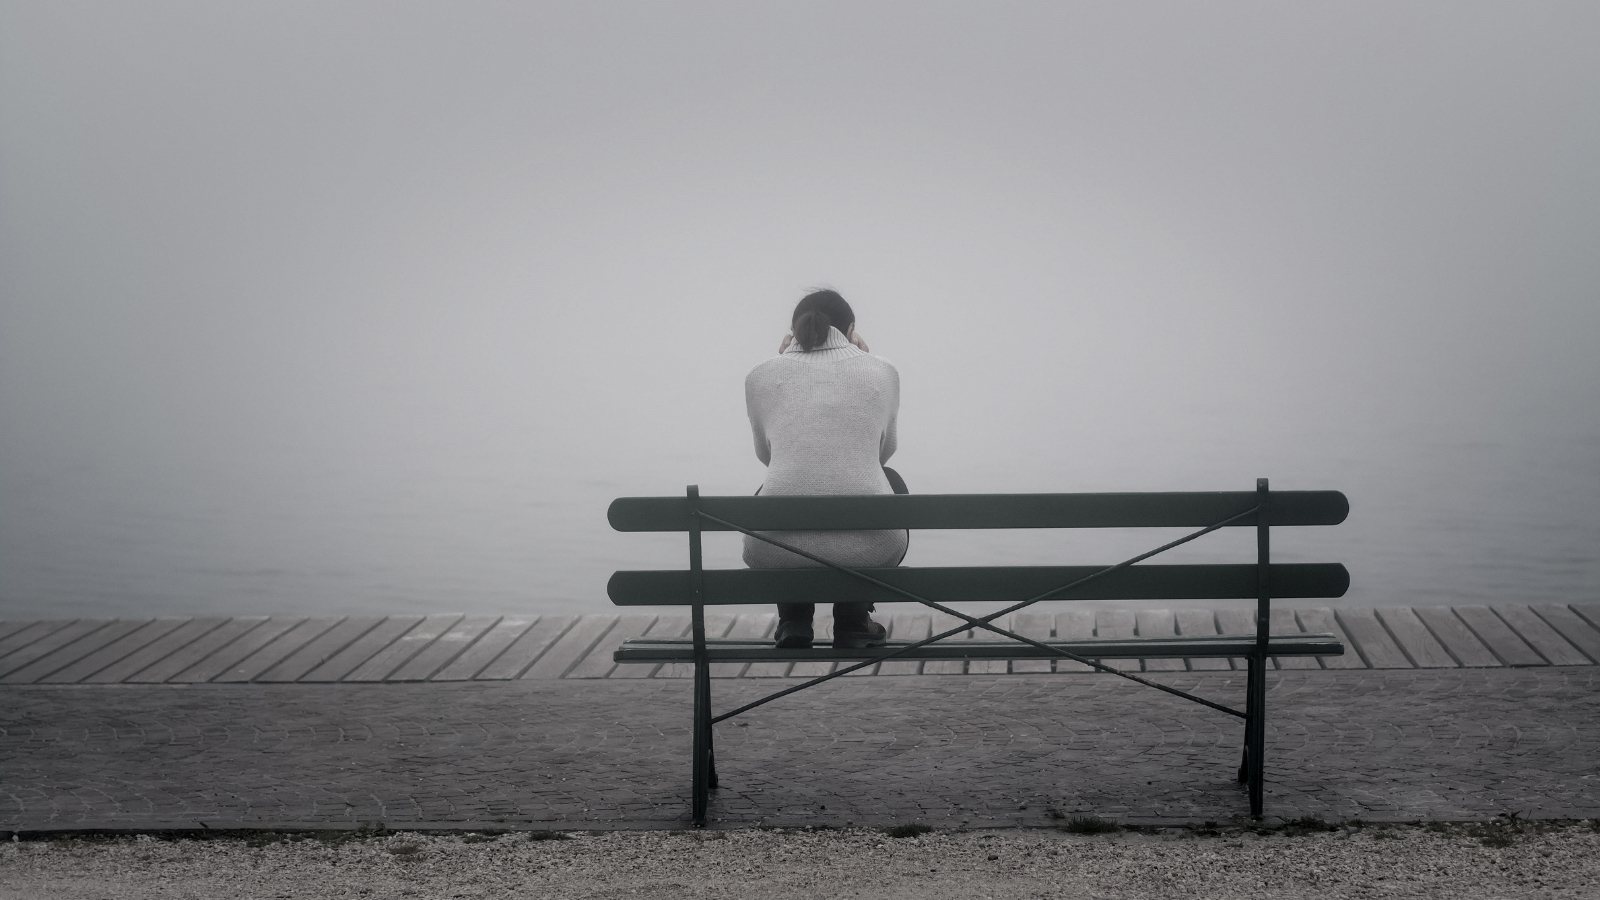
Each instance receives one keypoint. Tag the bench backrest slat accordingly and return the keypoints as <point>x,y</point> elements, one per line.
<point>978,583</point>
<point>979,511</point>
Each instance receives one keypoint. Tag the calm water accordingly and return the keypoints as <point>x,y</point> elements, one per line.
<point>1437,516</point>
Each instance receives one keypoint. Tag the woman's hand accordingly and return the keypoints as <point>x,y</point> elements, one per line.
<point>856,338</point>
<point>787,340</point>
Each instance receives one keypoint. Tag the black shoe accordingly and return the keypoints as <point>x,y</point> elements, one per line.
<point>794,636</point>
<point>859,635</point>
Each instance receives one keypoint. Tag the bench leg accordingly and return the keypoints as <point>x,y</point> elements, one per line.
<point>1252,768</point>
<point>705,771</point>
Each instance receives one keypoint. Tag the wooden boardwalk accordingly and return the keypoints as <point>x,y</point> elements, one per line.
<point>501,648</point>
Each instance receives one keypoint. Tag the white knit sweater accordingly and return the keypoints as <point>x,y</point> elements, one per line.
<point>824,423</point>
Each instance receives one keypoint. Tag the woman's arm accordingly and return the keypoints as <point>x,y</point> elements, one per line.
<point>758,429</point>
<point>887,443</point>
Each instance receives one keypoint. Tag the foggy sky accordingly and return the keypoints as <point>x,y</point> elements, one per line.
<point>419,246</point>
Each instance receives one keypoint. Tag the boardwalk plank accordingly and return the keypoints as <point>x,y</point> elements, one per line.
<point>1074,625</point>
<point>109,632</point>
<point>48,642</point>
<point>1538,633</point>
<point>1498,637</point>
<point>750,626</point>
<point>277,650</point>
<point>319,650</point>
<point>1117,623</point>
<point>1282,621</point>
<point>344,662</point>
<point>717,625</point>
<point>1574,628</point>
<point>1372,642</point>
<point>573,645</point>
<point>26,636</point>
<point>1195,622</point>
<point>162,648</point>
<point>1238,620</point>
<point>505,650</point>
<point>906,626</point>
<point>1158,623</point>
<point>599,663</point>
<point>7,629</point>
<point>1321,620</point>
<point>443,650</point>
<point>387,660</point>
<point>938,622</point>
<point>113,651</point>
<point>1457,638</point>
<point>663,627</point>
<point>1414,638</point>
<point>989,666</point>
<point>1037,625</point>
<point>193,662</point>
<point>824,638</point>
<point>238,650</point>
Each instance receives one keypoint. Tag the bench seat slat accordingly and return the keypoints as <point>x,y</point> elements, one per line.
<point>1105,510</point>
<point>1005,584</point>
<point>647,650</point>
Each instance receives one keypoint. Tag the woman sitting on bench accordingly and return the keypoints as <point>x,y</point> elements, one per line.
<point>823,416</point>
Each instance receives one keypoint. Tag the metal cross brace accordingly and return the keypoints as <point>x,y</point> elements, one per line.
<point>984,622</point>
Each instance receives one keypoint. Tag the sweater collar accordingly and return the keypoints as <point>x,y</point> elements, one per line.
<point>837,346</point>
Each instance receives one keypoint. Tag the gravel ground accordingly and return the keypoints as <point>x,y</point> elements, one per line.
<point>1503,859</point>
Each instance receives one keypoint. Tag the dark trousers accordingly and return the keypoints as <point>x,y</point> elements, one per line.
<point>843,613</point>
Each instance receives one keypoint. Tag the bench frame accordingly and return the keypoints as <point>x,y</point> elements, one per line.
<point>697,587</point>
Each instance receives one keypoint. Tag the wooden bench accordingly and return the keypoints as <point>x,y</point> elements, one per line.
<point>1017,586</point>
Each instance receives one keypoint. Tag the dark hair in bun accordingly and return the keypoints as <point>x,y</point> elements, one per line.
<point>817,311</point>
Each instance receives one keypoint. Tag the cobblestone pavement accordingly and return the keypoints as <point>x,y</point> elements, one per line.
<point>975,751</point>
